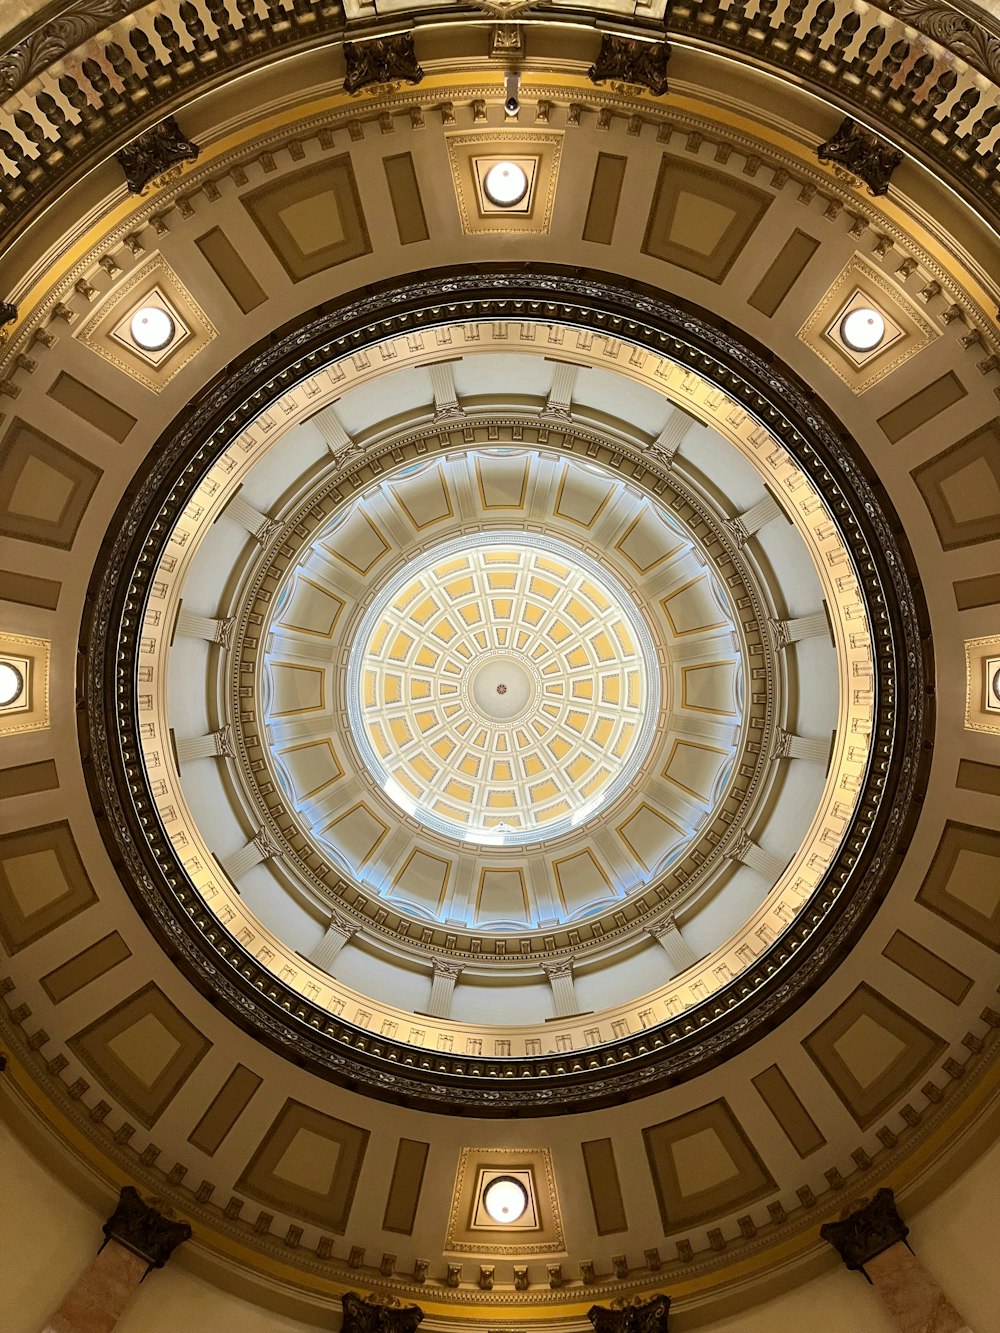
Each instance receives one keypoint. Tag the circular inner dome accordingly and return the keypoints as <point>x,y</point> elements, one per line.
<point>503,688</point>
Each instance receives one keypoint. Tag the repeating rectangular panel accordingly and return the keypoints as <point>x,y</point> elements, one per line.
<point>311,219</point>
<point>701,219</point>
<point>871,1053</point>
<point>28,590</point>
<point>22,779</point>
<point>963,882</point>
<point>226,1107</point>
<point>703,1164</point>
<point>91,406</point>
<point>928,967</point>
<point>85,967</point>
<point>605,1190</point>
<point>229,268</point>
<point>783,1102</point>
<point>984,590</point>
<point>404,1188</point>
<point>922,406</point>
<point>605,196</point>
<point>783,273</point>
<point>308,1165</point>
<point>44,487</point>
<point>961,488</point>
<point>143,1051</point>
<point>974,776</point>
<point>42,883</point>
<point>404,194</point>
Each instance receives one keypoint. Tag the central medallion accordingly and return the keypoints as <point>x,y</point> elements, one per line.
<point>503,688</point>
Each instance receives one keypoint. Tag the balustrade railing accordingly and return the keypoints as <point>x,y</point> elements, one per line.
<point>74,94</point>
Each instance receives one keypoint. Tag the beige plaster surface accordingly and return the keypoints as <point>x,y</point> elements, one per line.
<point>51,1238</point>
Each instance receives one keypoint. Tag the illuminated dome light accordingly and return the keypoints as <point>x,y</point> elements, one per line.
<point>11,684</point>
<point>505,184</point>
<point>151,328</point>
<point>862,329</point>
<point>503,689</point>
<point>505,1199</point>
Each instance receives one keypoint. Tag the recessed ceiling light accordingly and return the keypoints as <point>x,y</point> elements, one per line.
<point>505,184</point>
<point>862,329</point>
<point>11,684</point>
<point>505,1199</point>
<point>151,328</point>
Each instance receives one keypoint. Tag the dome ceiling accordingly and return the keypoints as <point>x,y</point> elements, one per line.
<point>611,444</point>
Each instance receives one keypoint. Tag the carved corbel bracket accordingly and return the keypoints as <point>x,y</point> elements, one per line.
<point>376,1316</point>
<point>640,64</point>
<point>637,1316</point>
<point>383,60</point>
<point>862,155</point>
<point>873,1226</point>
<point>143,1230</point>
<point>157,155</point>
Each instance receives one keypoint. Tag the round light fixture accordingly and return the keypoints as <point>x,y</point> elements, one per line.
<point>151,328</point>
<point>862,329</point>
<point>505,184</point>
<point>505,1199</point>
<point>11,684</point>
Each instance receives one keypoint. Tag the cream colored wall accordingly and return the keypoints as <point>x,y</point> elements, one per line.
<point>50,1236</point>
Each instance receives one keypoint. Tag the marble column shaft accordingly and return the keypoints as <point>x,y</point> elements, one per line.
<point>915,1301</point>
<point>138,1238</point>
<point>871,1238</point>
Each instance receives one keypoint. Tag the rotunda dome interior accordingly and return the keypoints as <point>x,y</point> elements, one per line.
<point>499,668</point>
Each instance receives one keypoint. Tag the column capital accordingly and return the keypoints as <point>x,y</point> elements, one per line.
<point>872,1226</point>
<point>665,924</point>
<point>142,1229</point>
<point>631,1316</point>
<point>447,967</point>
<point>372,1316</point>
<point>266,843</point>
<point>558,967</point>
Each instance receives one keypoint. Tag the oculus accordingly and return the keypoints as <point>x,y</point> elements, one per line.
<point>862,329</point>
<point>505,1199</point>
<point>12,688</point>
<point>151,328</point>
<point>505,184</point>
<point>496,729</point>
